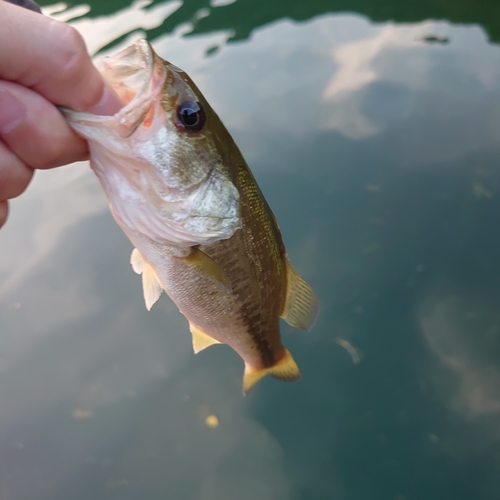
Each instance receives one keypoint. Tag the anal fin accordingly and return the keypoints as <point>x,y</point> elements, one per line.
<point>285,369</point>
<point>201,340</point>
<point>301,305</point>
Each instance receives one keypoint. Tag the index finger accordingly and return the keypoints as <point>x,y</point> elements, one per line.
<point>48,56</point>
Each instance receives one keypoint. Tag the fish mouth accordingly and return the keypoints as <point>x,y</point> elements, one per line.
<point>136,74</point>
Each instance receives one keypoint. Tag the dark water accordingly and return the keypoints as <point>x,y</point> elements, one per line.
<point>374,134</point>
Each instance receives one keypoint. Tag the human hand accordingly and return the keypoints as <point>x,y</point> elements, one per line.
<point>43,64</point>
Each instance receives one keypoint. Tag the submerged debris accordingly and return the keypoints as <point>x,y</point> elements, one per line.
<point>350,349</point>
<point>212,421</point>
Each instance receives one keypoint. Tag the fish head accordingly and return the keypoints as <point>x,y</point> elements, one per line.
<point>160,159</point>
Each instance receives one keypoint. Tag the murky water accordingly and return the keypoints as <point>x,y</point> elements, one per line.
<point>375,136</point>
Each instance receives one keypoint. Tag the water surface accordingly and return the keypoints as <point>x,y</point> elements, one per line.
<point>373,131</point>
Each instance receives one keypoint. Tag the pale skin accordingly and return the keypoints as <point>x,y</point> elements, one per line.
<point>46,65</point>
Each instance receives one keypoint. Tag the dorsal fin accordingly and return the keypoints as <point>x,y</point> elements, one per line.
<point>151,286</point>
<point>285,369</point>
<point>201,340</point>
<point>301,305</point>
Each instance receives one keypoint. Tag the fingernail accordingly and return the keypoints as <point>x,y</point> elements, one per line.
<point>12,112</point>
<point>27,4</point>
<point>109,104</point>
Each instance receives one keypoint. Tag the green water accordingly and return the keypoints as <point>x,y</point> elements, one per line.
<point>374,133</point>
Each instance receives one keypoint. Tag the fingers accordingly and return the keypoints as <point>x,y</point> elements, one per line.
<point>14,174</point>
<point>35,131</point>
<point>4,212</point>
<point>14,179</point>
<point>33,134</point>
<point>43,64</point>
<point>51,58</point>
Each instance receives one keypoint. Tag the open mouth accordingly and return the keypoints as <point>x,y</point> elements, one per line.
<point>128,72</point>
<point>136,74</point>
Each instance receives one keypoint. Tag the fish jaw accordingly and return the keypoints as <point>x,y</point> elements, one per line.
<point>137,75</point>
<point>153,190</point>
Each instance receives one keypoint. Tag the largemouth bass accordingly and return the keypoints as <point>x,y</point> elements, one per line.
<point>181,191</point>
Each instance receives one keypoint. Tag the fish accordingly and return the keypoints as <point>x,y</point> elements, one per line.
<point>202,231</point>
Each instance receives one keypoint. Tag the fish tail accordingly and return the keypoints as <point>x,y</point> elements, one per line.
<point>285,369</point>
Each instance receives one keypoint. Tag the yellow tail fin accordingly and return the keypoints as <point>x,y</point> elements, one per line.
<point>285,369</point>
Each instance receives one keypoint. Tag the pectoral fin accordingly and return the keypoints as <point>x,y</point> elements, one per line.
<point>285,369</point>
<point>302,305</point>
<point>208,267</point>
<point>151,285</point>
<point>201,340</point>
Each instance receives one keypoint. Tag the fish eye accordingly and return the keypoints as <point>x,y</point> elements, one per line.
<point>191,116</point>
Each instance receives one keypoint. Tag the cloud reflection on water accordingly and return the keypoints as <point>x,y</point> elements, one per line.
<point>463,335</point>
